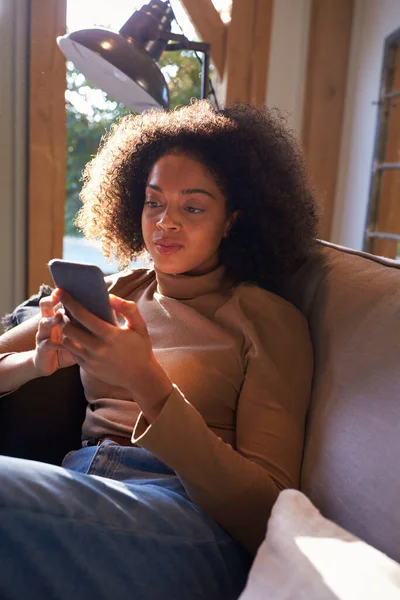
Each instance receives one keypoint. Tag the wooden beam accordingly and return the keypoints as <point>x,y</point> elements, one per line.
<point>247,51</point>
<point>328,57</point>
<point>261,49</point>
<point>210,28</point>
<point>47,139</point>
<point>239,52</point>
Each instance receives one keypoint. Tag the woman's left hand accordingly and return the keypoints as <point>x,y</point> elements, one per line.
<point>121,356</point>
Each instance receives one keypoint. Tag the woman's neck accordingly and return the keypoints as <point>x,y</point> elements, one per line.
<point>184,286</point>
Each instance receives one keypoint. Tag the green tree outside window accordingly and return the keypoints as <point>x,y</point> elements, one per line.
<point>84,131</point>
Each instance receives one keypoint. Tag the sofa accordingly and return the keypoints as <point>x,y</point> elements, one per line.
<point>351,464</point>
<point>351,461</point>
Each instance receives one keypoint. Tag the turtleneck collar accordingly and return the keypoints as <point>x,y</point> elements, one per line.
<point>186,287</point>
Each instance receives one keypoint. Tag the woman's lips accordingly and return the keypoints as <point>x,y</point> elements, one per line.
<point>167,249</point>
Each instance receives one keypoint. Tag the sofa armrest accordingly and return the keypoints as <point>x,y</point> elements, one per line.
<point>42,420</point>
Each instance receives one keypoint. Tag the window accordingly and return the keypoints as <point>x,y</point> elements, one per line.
<point>90,112</point>
<point>382,233</point>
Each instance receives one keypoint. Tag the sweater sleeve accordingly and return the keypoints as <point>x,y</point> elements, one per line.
<point>238,487</point>
<point>2,356</point>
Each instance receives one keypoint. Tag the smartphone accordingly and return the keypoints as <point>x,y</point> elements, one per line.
<point>85,283</point>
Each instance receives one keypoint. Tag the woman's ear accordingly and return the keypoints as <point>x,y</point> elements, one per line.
<point>230,222</point>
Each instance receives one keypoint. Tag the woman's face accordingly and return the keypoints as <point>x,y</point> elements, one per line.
<point>184,216</point>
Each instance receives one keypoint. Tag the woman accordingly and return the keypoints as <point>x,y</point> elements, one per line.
<point>197,401</point>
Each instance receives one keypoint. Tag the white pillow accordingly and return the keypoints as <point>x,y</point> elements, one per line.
<point>307,557</point>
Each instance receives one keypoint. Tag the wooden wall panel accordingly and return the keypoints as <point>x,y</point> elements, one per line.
<point>247,51</point>
<point>210,28</point>
<point>239,51</point>
<point>47,139</point>
<point>328,57</point>
<point>262,31</point>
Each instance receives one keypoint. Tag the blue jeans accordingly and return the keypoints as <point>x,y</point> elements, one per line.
<point>114,523</point>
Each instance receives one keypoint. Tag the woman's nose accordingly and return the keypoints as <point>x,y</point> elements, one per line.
<point>168,221</point>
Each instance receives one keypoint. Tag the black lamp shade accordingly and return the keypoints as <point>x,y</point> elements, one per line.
<point>119,66</point>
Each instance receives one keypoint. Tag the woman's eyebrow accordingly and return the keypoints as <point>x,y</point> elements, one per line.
<point>154,187</point>
<point>197,191</point>
<point>183,192</point>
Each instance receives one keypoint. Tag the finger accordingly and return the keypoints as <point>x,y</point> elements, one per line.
<point>43,330</point>
<point>94,324</point>
<point>48,344</point>
<point>56,293</point>
<point>56,331</point>
<point>66,345</point>
<point>130,311</point>
<point>79,352</point>
<point>61,311</point>
<point>46,326</point>
<point>46,306</point>
<point>79,336</point>
<point>55,299</point>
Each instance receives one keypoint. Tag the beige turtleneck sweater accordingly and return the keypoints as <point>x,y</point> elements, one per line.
<point>240,359</point>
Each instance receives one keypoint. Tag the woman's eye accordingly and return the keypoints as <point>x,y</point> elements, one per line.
<point>194,210</point>
<point>152,204</point>
<point>191,209</point>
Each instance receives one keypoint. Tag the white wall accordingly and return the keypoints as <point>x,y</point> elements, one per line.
<point>374,21</point>
<point>288,59</point>
<point>13,148</point>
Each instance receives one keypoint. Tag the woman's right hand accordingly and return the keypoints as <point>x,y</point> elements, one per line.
<point>49,354</point>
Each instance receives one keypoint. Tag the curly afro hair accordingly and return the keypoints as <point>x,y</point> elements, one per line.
<point>255,160</point>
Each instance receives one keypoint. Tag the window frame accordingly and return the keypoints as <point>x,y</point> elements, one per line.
<point>47,139</point>
<point>386,93</point>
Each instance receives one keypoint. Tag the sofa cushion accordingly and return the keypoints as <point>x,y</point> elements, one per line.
<point>308,557</point>
<point>351,466</point>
